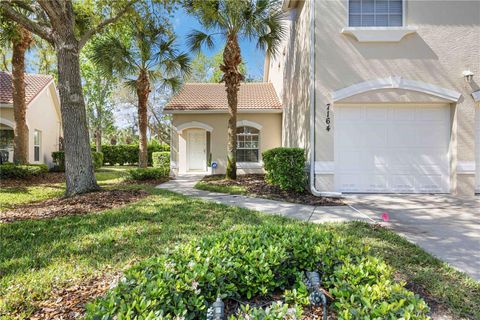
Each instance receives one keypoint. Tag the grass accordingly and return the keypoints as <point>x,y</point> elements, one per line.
<point>11,196</point>
<point>37,255</point>
<point>205,185</point>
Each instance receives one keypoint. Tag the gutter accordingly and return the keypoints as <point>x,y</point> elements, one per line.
<point>314,191</point>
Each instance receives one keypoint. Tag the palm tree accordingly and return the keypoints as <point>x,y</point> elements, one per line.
<point>20,41</point>
<point>259,20</point>
<point>148,56</point>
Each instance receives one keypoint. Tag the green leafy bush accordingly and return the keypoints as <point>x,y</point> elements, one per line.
<point>146,174</point>
<point>128,153</point>
<point>285,167</point>
<point>97,159</point>
<point>251,261</point>
<point>59,160</point>
<point>161,160</point>
<point>13,171</point>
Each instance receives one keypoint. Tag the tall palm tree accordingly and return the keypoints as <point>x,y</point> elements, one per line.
<point>20,40</point>
<point>148,56</point>
<point>260,20</point>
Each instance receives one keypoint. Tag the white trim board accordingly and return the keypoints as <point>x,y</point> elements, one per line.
<point>193,125</point>
<point>247,123</point>
<point>379,34</point>
<point>324,167</point>
<point>466,167</point>
<point>396,82</point>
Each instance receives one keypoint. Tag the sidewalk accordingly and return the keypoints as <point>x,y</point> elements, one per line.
<point>184,184</point>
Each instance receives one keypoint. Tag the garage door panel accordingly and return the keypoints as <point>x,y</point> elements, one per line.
<point>392,149</point>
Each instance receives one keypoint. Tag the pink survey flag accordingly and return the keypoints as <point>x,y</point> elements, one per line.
<point>385,217</point>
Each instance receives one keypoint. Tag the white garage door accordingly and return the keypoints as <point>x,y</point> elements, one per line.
<point>477,149</point>
<point>396,148</point>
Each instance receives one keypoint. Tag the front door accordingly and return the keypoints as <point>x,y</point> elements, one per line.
<point>196,150</point>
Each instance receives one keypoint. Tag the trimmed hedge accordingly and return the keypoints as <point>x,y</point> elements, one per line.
<point>59,160</point>
<point>285,168</point>
<point>13,171</point>
<point>161,160</point>
<point>246,262</point>
<point>128,153</point>
<point>146,173</point>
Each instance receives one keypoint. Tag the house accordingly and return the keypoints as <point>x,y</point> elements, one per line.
<point>383,95</point>
<point>200,118</point>
<point>43,117</point>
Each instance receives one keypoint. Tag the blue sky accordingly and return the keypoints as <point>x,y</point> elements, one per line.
<point>184,23</point>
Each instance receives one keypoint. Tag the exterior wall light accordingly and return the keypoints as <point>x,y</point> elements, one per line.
<point>468,75</point>
<point>217,310</point>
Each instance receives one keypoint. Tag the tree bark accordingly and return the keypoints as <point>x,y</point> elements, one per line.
<point>79,170</point>
<point>232,78</point>
<point>143,91</point>
<point>20,44</point>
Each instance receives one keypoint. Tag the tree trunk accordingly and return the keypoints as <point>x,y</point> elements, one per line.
<point>79,171</point>
<point>98,139</point>
<point>232,77</point>
<point>143,91</point>
<point>20,44</point>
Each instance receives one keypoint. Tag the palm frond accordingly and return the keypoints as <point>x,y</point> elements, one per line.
<point>197,39</point>
<point>111,56</point>
<point>173,83</point>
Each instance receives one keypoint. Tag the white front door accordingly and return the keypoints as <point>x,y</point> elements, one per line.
<point>395,148</point>
<point>196,150</point>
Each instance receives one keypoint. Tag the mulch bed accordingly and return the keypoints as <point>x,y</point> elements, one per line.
<point>256,186</point>
<point>85,203</point>
<point>44,179</point>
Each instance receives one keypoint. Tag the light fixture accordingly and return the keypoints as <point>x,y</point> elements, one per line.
<point>216,311</point>
<point>468,75</point>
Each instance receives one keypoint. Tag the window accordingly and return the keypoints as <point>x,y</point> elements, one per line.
<point>247,144</point>
<point>37,140</point>
<point>375,13</point>
<point>6,139</point>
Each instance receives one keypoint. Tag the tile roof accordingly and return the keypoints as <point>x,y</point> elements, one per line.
<point>212,96</point>
<point>35,83</point>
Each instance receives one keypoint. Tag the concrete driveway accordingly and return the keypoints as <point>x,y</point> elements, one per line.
<point>446,226</point>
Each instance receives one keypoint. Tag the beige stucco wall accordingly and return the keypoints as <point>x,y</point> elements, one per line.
<point>42,115</point>
<point>447,43</point>
<point>270,136</point>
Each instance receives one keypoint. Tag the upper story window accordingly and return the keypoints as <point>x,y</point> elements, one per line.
<point>247,144</point>
<point>375,13</point>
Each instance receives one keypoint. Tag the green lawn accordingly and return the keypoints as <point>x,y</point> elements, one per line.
<point>40,254</point>
<point>205,185</point>
<point>11,196</point>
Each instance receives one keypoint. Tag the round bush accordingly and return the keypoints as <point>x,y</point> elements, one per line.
<point>257,261</point>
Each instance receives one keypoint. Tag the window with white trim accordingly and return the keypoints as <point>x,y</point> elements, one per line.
<point>247,144</point>
<point>37,140</point>
<point>375,13</point>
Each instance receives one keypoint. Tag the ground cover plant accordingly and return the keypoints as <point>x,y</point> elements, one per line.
<point>259,261</point>
<point>254,185</point>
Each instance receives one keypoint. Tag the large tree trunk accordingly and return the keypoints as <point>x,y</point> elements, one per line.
<point>20,141</point>
<point>232,77</point>
<point>79,169</point>
<point>143,91</point>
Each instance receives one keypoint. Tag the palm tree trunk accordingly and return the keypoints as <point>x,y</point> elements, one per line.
<point>79,172</point>
<point>20,141</point>
<point>231,75</point>
<point>143,91</point>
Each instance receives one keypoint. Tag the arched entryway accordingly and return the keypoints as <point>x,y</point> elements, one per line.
<point>6,140</point>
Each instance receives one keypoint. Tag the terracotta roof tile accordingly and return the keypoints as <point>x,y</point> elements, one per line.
<point>35,83</point>
<point>212,96</point>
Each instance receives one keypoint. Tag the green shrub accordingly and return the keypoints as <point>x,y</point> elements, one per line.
<point>59,160</point>
<point>259,261</point>
<point>146,173</point>
<point>161,160</point>
<point>13,171</point>
<point>128,153</point>
<point>97,159</point>
<point>285,168</point>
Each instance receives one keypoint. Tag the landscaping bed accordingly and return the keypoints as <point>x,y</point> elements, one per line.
<point>255,185</point>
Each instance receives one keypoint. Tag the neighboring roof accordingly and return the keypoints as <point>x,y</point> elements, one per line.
<point>35,83</point>
<point>212,96</point>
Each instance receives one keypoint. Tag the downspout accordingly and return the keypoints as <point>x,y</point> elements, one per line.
<point>314,191</point>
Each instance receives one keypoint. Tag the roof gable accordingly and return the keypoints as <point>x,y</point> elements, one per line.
<point>212,96</point>
<point>34,84</point>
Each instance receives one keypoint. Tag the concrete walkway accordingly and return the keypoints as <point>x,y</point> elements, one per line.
<point>184,184</point>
